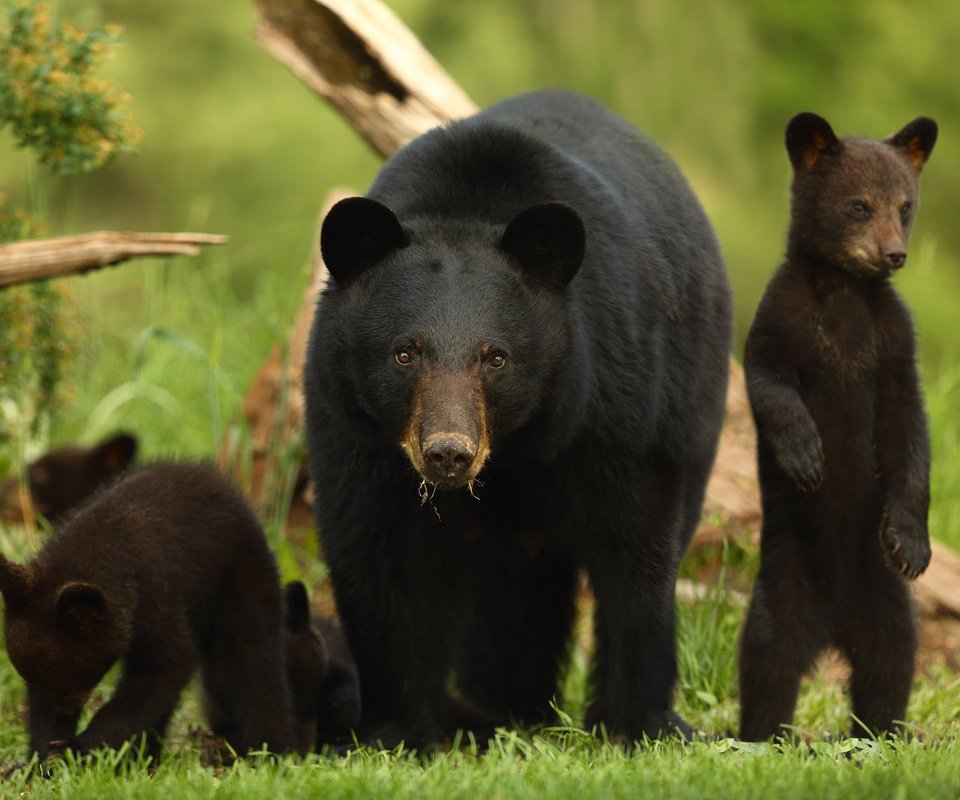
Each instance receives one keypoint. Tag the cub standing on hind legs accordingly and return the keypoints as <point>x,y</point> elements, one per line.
<point>843,449</point>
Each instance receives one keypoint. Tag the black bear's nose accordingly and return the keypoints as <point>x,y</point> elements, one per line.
<point>447,458</point>
<point>894,257</point>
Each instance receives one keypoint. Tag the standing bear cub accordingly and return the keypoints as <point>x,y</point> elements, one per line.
<point>517,370</point>
<point>166,570</point>
<point>843,450</point>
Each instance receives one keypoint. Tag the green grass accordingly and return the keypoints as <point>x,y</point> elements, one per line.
<point>564,761</point>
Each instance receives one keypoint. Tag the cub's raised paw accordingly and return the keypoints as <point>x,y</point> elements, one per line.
<point>803,460</point>
<point>906,545</point>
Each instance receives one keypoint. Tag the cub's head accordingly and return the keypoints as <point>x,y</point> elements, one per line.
<point>61,638</point>
<point>64,477</point>
<point>454,329</point>
<point>855,199</point>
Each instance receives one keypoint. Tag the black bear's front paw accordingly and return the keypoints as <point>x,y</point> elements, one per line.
<point>803,460</point>
<point>905,542</point>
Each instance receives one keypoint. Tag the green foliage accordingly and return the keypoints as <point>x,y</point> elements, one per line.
<point>50,95</point>
<point>74,122</point>
<point>32,349</point>
<point>34,345</point>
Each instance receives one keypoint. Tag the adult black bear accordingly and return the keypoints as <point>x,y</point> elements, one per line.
<point>165,570</point>
<point>843,451</point>
<point>528,312</point>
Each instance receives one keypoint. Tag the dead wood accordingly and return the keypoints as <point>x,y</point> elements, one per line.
<point>358,56</point>
<point>38,259</point>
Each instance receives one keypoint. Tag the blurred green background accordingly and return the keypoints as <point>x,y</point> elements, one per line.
<point>235,144</point>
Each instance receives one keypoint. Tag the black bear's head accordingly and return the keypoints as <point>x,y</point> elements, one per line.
<point>63,478</point>
<point>855,199</point>
<point>456,327</point>
<point>61,636</point>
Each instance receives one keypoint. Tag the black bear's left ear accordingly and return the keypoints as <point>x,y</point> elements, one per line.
<point>548,241</point>
<point>809,136</point>
<point>81,609</point>
<point>356,233</point>
<point>297,606</point>
<point>916,139</point>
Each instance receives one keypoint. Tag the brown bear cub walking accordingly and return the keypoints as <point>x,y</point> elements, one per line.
<point>843,449</point>
<point>166,570</point>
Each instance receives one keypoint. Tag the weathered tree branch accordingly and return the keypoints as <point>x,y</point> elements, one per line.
<point>360,57</point>
<point>39,259</point>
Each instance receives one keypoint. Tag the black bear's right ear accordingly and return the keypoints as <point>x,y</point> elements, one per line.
<point>81,609</point>
<point>356,233</point>
<point>916,139</point>
<point>809,136</point>
<point>548,241</point>
<point>298,606</point>
<point>115,454</point>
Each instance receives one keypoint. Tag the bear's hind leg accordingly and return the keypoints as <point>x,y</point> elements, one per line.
<point>882,652</point>
<point>773,659</point>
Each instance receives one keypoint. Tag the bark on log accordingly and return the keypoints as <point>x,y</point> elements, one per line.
<point>358,56</point>
<point>39,259</point>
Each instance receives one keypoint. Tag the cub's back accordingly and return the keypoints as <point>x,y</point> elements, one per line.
<point>169,523</point>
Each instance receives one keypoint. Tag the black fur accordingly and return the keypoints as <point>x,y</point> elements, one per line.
<point>63,478</point>
<point>166,570</point>
<point>544,289</point>
<point>843,450</point>
<point>323,680</point>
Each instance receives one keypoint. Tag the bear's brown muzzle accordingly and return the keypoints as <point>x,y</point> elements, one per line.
<point>446,439</point>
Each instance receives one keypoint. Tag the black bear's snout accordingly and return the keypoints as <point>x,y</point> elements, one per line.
<point>448,458</point>
<point>894,257</point>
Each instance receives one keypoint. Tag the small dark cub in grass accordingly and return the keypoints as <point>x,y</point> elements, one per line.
<point>843,449</point>
<point>166,570</point>
<point>324,684</point>
<point>63,478</point>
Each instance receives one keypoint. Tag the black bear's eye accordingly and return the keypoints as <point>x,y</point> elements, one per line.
<point>496,360</point>
<point>905,210</point>
<point>404,358</point>
<point>859,208</point>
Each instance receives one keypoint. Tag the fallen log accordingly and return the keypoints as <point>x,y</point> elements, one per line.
<point>39,259</point>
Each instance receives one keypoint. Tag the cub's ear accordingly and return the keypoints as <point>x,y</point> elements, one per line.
<point>16,581</point>
<point>548,242</point>
<point>356,233</point>
<point>809,136</point>
<point>115,454</point>
<point>916,139</point>
<point>298,606</point>
<point>81,609</point>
